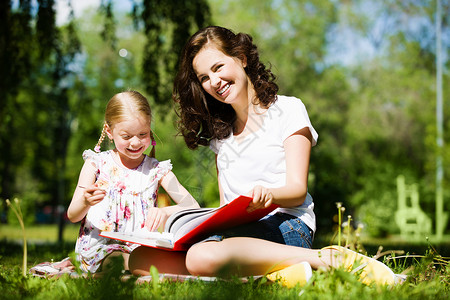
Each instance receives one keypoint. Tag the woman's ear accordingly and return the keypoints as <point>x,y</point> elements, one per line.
<point>244,61</point>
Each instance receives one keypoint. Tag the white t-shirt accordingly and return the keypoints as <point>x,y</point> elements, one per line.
<point>257,156</point>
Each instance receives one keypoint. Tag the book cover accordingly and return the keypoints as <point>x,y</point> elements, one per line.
<point>187,227</point>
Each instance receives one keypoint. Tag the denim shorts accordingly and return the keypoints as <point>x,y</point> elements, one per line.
<point>279,228</point>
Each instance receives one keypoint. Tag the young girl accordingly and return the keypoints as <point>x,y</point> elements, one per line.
<point>228,101</point>
<point>117,189</point>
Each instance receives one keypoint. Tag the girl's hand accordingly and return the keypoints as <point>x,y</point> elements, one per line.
<point>262,198</point>
<point>155,217</point>
<point>93,195</point>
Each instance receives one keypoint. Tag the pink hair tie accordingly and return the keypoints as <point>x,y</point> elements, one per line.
<point>97,148</point>
<point>153,143</point>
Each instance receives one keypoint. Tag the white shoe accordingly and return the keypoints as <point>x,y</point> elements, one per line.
<point>370,269</point>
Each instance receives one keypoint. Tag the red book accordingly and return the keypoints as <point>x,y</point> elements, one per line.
<point>189,226</point>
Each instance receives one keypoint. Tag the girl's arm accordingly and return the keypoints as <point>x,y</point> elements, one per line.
<point>85,195</point>
<point>178,193</point>
<point>298,151</point>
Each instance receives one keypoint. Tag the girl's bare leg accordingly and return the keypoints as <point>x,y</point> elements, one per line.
<point>142,258</point>
<point>244,256</point>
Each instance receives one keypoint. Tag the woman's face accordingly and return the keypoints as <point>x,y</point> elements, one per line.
<point>220,75</point>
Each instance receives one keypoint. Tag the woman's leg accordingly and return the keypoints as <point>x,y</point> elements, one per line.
<point>244,256</point>
<point>142,258</point>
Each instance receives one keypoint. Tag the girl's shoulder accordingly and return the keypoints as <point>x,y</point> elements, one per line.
<point>91,155</point>
<point>153,163</point>
<point>98,159</point>
<point>95,156</point>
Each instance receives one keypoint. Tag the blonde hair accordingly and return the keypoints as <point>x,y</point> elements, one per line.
<point>125,105</point>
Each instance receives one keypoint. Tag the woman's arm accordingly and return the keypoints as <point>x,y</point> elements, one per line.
<point>222,199</point>
<point>298,151</point>
<point>85,195</point>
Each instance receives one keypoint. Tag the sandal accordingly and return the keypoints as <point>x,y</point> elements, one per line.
<point>51,270</point>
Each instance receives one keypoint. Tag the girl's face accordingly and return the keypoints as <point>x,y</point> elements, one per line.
<point>131,137</point>
<point>220,75</point>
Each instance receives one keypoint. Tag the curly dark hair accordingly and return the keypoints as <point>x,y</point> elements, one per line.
<point>201,117</point>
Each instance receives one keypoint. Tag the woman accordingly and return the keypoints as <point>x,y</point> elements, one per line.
<point>228,100</point>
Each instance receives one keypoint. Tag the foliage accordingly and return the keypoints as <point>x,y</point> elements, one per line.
<point>57,83</point>
<point>375,112</point>
<point>167,26</point>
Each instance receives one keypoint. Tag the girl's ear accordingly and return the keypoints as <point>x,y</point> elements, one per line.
<point>108,132</point>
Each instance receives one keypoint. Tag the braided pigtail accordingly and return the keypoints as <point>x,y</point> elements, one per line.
<point>102,137</point>
<point>152,152</point>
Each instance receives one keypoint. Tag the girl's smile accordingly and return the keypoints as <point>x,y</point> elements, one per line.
<point>131,138</point>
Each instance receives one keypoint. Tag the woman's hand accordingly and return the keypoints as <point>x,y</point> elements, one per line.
<point>93,195</point>
<point>262,198</point>
<point>155,217</point>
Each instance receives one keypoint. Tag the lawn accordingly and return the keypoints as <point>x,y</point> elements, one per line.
<point>429,277</point>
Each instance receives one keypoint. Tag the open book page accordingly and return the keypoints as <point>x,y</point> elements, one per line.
<point>189,224</point>
<point>183,218</point>
<point>177,225</point>
<point>187,227</point>
<point>142,237</point>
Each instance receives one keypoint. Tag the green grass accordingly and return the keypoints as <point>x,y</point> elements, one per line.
<point>429,278</point>
<point>39,233</point>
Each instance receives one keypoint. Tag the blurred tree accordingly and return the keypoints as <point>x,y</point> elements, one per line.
<point>167,26</point>
<point>393,127</point>
<point>292,38</point>
<point>364,71</point>
<point>49,85</point>
<point>15,63</point>
<point>36,59</point>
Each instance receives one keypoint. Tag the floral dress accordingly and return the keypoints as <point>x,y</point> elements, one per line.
<point>129,194</point>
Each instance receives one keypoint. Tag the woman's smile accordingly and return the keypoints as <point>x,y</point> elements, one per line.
<point>224,89</point>
<point>220,75</point>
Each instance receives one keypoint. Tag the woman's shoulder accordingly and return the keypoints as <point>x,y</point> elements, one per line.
<point>288,102</point>
<point>286,105</point>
